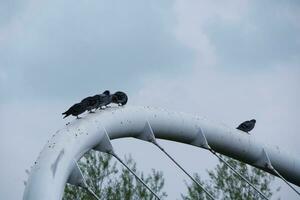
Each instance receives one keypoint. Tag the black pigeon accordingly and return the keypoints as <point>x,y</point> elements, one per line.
<point>104,99</point>
<point>106,92</point>
<point>119,98</point>
<point>247,125</point>
<point>75,110</point>
<point>91,102</point>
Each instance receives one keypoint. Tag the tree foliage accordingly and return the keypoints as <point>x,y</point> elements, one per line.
<point>224,184</point>
<point>113,182</point>
<point>110,182</point>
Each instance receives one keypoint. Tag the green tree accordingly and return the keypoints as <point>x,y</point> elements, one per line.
<point>111,183</point>
<point>224,184</point>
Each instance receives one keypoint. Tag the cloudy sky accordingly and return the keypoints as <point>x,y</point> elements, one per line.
<point>228,61</point>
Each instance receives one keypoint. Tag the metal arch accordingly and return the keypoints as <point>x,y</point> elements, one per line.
<point>55,163</point>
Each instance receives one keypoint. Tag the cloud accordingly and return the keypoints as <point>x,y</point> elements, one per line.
<point>61,49</point>
<point>193,18</point>
<point>240,34</point>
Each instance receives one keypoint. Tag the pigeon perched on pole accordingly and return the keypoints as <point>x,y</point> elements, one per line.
<point>106,92</point>
<point>104,99</point>
<point>91,102</point>
<point>119,98</point>
<point>75,110</point>
<point>247,126</point>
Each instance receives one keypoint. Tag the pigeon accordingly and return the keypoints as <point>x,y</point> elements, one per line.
<point>247,125</point>
<point>75,110</point>
<point>104,99</point>
<point>91,102</point>
<point>106,92</point>
<point>119,98</point>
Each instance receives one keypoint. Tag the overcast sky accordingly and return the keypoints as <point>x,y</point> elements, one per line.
<point>229,61</point>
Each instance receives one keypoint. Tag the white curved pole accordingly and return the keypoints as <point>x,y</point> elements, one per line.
<point>55,163</point>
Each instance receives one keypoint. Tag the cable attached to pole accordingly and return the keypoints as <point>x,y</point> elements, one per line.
<point>194,180</point>
<point>148,135</point>
<point>86,185</point>
<point>280,176</point>
<point>237,173</point>
<point>136,176</point>
<point>201,141</point>
<point>106,147</point>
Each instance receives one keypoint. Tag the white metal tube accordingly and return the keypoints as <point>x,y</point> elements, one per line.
<point>49,175</point>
